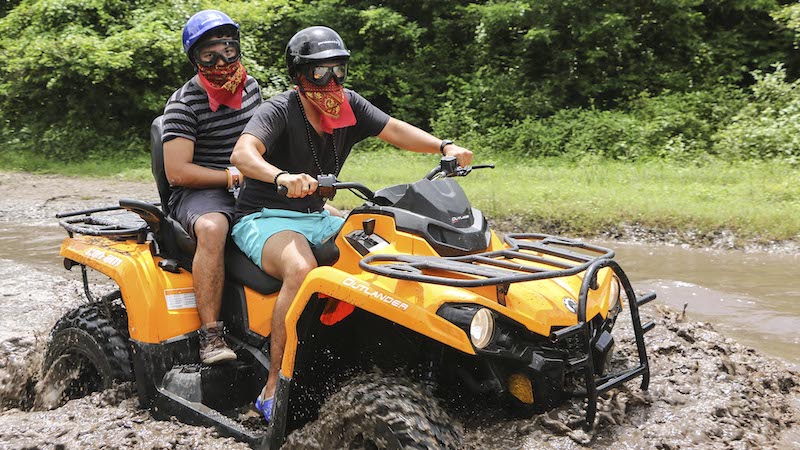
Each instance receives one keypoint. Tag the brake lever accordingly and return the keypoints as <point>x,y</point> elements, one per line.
<point>464,171</point>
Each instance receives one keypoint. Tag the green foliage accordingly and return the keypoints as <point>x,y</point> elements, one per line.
<point>84,78</point>
<point>76,74</point>
<point>7,6</point>
<point>673,126</point>
<point>789,16</point>
<point>767,127</point>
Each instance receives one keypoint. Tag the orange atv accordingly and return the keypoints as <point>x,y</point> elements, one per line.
<point>415,299</point>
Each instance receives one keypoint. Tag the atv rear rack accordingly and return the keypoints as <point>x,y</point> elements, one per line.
<point>495,269</point>
<point>85,223</point>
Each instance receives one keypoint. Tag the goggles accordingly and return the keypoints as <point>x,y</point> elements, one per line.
<point>321,75</point>
<point>209,52</point>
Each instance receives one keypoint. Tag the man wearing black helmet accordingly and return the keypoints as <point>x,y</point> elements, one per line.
<point>292,138</point>
<point>202,121</point>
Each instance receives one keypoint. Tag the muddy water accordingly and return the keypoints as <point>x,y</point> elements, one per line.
<point>751,296</point>
<point>707,391</point>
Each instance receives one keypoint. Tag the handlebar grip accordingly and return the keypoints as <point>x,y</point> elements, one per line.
<point>282,190</point>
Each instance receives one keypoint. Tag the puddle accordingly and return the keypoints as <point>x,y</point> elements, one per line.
<point>752,297</point>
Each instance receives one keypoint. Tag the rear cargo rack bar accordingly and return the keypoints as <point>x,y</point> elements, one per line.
<point>495,268</point>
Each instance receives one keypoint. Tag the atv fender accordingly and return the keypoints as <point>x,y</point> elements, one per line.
<point>164,306</point>
<point>365,294</point>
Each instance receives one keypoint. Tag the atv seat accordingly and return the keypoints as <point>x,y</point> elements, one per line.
<point>176,243</point>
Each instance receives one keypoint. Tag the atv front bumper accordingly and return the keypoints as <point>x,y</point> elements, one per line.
<point>521,362</point>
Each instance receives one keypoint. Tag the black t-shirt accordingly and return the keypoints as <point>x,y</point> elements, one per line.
<point>280,125</point>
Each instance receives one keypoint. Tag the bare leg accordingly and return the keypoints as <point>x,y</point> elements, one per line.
<point>334,212</point>
<point>286,256</point>
<point>208,266</point>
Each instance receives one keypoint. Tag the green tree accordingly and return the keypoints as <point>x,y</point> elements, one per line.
<point>85,77</point>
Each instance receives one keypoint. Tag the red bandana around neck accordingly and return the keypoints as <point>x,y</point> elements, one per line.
<point>224,85</point>
<point>331,101</point>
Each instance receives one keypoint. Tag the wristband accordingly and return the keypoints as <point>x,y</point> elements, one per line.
<point>234,177</point>
<point>282,172</point>
<point>444,144</point>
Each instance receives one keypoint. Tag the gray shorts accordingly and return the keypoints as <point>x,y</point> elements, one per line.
<point>187,205</point>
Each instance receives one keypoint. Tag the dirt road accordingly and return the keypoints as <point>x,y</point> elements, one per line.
<point>706,390</point>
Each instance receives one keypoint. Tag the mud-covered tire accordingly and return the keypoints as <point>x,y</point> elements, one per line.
<point>385,412</point>
<point>87,352</point>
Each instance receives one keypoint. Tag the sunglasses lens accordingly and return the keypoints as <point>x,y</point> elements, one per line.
<point>211,51</point>
<point>321,75</point>
<point>340,72</point>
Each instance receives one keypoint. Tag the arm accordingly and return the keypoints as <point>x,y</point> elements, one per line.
<point>180,170</point>
<point>248,157</point>
<point>408,137</point>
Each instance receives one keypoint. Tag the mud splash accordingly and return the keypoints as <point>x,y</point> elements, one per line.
<point>706,391</point>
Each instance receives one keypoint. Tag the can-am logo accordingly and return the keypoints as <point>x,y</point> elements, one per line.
<point>457,219</point>
<point>571,304</point>
<point>366,290</point>
<point>100,255</point>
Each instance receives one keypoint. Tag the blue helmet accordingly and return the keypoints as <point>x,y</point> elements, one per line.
<point>203,22</point>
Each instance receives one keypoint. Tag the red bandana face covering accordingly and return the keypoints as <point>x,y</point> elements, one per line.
<point>331,101</point>
<point>224,85</point>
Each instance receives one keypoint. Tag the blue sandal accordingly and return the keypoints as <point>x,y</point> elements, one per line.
<point>265,406</point>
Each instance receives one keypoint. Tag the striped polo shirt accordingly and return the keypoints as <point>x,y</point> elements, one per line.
<point>214,133</point>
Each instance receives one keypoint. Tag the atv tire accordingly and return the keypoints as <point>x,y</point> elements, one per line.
<point>375,411</point>
<point>86,353</point>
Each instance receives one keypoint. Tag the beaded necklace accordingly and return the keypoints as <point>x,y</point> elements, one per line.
<point>311,143</point>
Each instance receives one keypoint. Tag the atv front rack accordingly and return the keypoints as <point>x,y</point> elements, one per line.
<point>553,251</point>
<point>563,257</point>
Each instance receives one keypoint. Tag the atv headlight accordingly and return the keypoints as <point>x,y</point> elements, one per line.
<point>614,303</point>
<point>481,328</point>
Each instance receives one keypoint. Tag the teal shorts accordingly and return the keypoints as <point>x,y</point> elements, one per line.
<point>252,231</point>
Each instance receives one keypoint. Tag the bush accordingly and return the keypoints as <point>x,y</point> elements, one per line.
<point>672,126</point>
<point>77,77</point>
<point>767,127</point>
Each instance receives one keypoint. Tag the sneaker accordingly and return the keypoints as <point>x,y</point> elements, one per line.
<point>265,406</point>
<point>213,349</point>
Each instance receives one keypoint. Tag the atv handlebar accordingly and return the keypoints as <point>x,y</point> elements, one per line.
<point>448,167</point>
<point>328,184</point>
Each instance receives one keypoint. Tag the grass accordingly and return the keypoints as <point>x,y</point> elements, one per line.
<point>757,201</point>
<point>131,169</point>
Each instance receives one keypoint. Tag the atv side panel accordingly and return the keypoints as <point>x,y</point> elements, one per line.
<point>160,304</point>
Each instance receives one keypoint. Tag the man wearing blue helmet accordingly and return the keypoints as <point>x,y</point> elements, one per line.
<point>202,121</point>
<point>292,138</point>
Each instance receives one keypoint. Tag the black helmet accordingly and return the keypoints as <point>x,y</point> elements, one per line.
<point>314,44</point>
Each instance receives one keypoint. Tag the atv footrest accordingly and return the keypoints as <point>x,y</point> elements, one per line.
<point>197,394</point>
<point>170,404</point>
